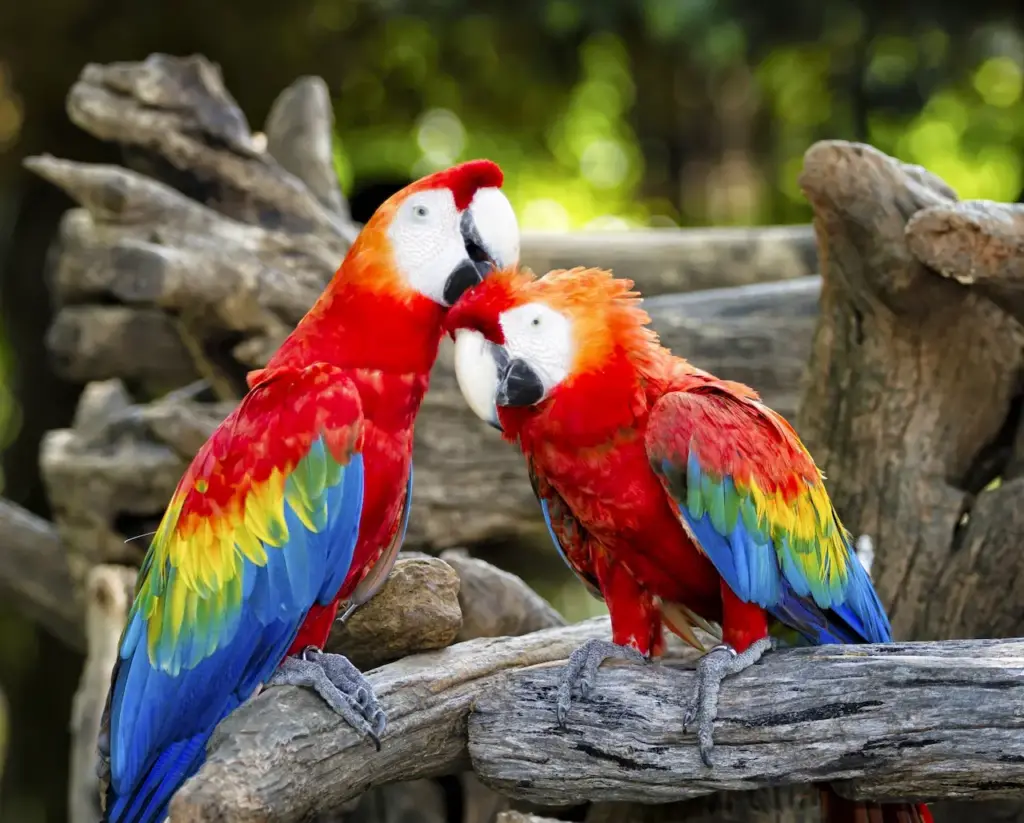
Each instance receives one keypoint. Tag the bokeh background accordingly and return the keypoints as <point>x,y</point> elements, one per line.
<point>606,113</point>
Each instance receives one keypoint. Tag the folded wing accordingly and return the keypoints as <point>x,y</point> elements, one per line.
<point>262,526</point>
<point>750,495</point>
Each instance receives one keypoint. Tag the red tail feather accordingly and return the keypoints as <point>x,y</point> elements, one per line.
<point>836,809</point>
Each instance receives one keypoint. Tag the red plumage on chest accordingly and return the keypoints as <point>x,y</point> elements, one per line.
<point>634,545</point>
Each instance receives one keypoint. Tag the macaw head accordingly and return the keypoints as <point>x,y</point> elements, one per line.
<point>438,236</point>
<point>524,341</point>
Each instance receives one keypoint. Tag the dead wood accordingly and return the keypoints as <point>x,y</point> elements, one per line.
<point>661,261</point>
<point>890,722</point>
<point>914,400</point>
<point>34,574</point>
<point>977,243</point>
<point>418,610</point>
<point>902,359</point>
<point>109,594</point>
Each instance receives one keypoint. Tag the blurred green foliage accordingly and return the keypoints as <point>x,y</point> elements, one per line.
<point>592,143</point>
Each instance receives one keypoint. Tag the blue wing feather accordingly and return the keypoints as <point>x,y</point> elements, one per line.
<point>814,584</point>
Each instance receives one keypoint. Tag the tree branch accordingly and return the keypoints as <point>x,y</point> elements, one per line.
<point>890,722</point>
<point>109,594</point>
<point>661,261</point>
<point>34,572</point>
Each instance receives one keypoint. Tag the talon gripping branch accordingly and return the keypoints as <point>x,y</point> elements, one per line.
<point>677,497</point>
<point>299,499</point>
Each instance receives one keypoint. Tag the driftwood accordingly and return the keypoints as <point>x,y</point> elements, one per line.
<point>661,261</point>
<point>889,722</point>
<point>109,594</point>
<point>913,407</point>
<point>418,610</point>
<point>901,362</point>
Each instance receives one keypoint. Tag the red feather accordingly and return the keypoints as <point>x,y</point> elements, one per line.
<point>464,180</point>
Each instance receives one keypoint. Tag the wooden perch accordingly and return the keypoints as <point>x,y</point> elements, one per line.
<point>890,722</point>
<point>914,397</point>
<point>418,610</point>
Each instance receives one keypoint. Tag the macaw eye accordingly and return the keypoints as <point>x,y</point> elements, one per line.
<point>420,211</point>
<point>535,321</point>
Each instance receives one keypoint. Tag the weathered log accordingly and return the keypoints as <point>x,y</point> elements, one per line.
<point>890,722</point>
<point>914,397</point>
<point>902,358</point>
<point>179,110</point>
<point>135,344</point>
<point>109,594</point>
<point>113,484</point>
<point>298,130</point>
<point>34,573</point>
<point>977,243</point>
<point>661,261</point>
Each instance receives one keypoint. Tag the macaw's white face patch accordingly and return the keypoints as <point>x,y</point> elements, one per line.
<point>441,251</point>
<point>542,338</point>
<point>427,241</point>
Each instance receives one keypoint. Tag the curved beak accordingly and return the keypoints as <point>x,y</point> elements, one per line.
<point>479,368</point>
<point>520,385</point>
<point>490,233</point>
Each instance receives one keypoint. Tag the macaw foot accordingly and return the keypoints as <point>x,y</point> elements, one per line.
<point>342,686</point>
<point>713,668</point>
<point>581,670</point>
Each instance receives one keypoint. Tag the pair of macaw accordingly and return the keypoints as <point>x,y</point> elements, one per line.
<point>677,497</point>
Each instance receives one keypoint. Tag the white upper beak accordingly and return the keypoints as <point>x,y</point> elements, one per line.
<point>476,370</point>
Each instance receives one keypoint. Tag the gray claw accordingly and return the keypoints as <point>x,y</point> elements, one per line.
<point>718,664</point>
<point>581,671</point>
<point>341,685</point>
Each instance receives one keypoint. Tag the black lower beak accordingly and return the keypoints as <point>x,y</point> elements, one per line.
<point>466,275</point>
<point>520,386</point>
